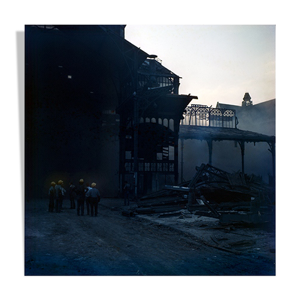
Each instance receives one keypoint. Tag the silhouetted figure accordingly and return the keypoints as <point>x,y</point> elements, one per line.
<point>51,194</point>
<point>59,194</point>
<point>72,194</point>
<point>87,199</point>
<point>94,196</point>
<point>81,196</point>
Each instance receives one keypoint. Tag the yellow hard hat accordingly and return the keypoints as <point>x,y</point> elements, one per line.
<point>60,182</point>
<point>53,183</point>
<point>93,184</point>
<point>81,180</point>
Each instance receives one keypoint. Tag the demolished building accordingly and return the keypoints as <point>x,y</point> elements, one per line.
<point>97,107</point>
<point>232,198</point>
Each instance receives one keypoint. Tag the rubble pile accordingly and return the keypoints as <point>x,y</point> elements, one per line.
<point>233,198</point>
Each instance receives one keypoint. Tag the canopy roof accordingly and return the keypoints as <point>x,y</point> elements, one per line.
<point>218,134</point>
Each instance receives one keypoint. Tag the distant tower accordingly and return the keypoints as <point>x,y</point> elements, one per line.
<point>247,100</point>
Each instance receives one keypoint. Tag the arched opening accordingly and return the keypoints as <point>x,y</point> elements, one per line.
<point>171,124</point>
<point>166,123</point>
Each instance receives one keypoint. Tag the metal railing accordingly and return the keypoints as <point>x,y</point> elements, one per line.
<point>202,115</point>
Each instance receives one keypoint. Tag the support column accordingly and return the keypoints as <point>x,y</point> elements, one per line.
<point>273,183</point>
<point>209,144</point>
<point>176,161</point>
<point>242,146</point>
<point>181,172</point>
<point>272,150</point>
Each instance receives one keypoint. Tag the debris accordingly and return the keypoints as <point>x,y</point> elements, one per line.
<point>166,215</point>
<point>177,188</point>
<point>220,186</point>
<point>215,213</point>
<point>230,197</point>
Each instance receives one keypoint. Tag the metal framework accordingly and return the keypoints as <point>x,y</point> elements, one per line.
<point>210,134</point>
<point>202,115</point>
<point>149,127</point>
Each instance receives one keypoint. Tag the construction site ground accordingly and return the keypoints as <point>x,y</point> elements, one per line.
<point>112,243</point>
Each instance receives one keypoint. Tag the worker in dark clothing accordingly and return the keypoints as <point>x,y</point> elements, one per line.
<point>81,196</point>
<point>87,199</point>
<point>126,193</point>
<point>72,194</point>
<point>59,194</point>
<point>94,195</point>
<point>51,194</point>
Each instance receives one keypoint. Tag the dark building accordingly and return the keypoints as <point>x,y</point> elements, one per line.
<point>99,108</point>
<point>159,110</point>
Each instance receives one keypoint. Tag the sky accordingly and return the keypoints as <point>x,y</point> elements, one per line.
<point>217,63</point>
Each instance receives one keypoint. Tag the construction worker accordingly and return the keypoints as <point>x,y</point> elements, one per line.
<point>51,194</point>
<point>94,195</point>
<point>81,197</point>
<point>59,194</point>
<point>87,199</point>
<point>72,195</point>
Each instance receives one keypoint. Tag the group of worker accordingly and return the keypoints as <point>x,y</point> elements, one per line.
<point>84,194</point>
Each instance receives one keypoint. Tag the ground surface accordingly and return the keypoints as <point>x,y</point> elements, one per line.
<point>113,244</point>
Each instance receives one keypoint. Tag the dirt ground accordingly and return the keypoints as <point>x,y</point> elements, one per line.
<point>114,244</point>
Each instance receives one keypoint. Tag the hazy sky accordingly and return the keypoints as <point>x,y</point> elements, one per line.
<point>217,63</point>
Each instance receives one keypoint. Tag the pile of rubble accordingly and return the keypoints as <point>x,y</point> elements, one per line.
<point>233,198</point>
